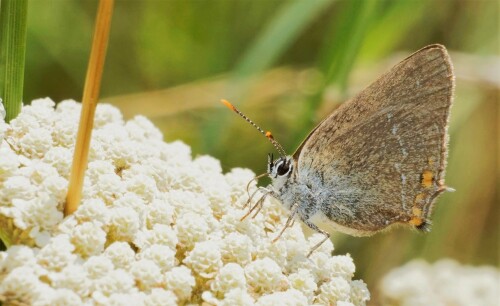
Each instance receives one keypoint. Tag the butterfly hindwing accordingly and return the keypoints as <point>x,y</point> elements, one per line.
<point>381,156</point>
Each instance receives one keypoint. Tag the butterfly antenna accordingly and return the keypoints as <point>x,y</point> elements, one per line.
<point>268,134</point>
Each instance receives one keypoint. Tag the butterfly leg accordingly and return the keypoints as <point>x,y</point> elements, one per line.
<point>289,222</point>
<point>258,204</point>
<point>254,179</point>
<point>250,198</point>
<point>314,227</point>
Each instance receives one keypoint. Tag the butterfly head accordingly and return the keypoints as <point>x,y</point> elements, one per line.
<point>279,168</point>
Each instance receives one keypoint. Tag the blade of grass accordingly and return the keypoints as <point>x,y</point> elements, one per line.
<point>392,28</point>
<point>13,18</point>
<point>351,33</point>
<point>279,34</point>
<point>271,43</point>
<point>89,103</point>
<point>339,55</point>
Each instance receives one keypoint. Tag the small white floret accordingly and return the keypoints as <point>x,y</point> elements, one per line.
<point>88,238</point>
<point>205,259</point>
<point>160,297</point>
<point>335,290</point>
<point>121,254</point>
<point>264,275</point>
<point>180,281</point>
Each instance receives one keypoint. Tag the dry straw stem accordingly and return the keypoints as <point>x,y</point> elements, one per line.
<point>89,102</point>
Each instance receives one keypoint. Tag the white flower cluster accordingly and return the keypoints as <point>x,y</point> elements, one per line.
<point>155,226</point>
<point>444,283</point>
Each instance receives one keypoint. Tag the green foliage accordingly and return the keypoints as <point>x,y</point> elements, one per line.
<point>13,15</point>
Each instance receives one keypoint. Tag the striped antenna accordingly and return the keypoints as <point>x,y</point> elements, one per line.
<point>268,134</point>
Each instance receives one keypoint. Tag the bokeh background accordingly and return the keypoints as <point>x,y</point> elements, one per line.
<point>288,64</point>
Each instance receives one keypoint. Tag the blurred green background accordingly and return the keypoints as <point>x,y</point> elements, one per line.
<point>287,64</point>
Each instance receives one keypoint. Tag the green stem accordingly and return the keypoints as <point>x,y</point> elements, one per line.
<point>13,26</point>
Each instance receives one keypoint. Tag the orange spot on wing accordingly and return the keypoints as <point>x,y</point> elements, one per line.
<point>228,104</point>
<point>419,198</point>
<point>417,221</point>
<point>416,218</point>
<point>417,212</point>
<point>427,177</point>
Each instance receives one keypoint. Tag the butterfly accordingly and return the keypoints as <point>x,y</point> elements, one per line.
<point>378,160</point>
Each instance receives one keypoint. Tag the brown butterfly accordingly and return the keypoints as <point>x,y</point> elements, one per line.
<point>377,160</point>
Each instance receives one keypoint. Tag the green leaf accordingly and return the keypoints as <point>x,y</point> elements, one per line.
<point>279,34</point>
<point>13,22</point>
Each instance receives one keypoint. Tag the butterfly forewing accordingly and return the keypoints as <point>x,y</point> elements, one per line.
<point>381,156</point>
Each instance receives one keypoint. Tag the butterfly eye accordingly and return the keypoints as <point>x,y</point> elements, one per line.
<point>283,169</point>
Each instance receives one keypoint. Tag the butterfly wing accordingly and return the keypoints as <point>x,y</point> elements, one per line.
<point>380,158</point>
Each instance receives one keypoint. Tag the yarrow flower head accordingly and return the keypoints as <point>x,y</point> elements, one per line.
<point>154,226</point>
<point>445,282</point>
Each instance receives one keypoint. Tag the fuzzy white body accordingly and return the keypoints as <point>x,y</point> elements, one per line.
<point>313,200</point>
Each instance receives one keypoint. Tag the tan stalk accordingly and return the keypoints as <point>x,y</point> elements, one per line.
<point>89,103</point>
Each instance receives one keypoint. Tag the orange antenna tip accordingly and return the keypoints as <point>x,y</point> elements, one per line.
<point>228,104</point>
<point>269,135</point>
